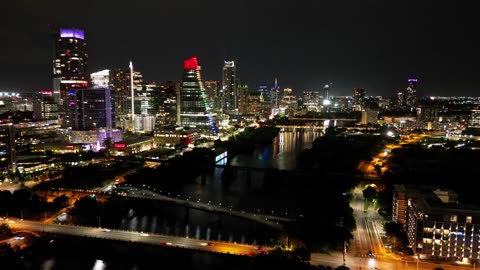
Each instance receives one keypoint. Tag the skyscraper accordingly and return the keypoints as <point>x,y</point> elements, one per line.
<point>69,69</point>
<point>229,86</point>
<point>358,99</point>
<point>411,95</point>
<point>120,80</point>
<point>93,109</point>
<point>194,107</point>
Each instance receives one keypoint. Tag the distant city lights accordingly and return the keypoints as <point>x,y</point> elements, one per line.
<point>10,94</point>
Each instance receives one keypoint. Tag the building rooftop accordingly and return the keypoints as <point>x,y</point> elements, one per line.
<point>436,199</point>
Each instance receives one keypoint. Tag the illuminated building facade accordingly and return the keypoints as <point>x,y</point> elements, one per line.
<point>438,226</point>
<point>253,103</point>
<point>242,97</point>
<point>358,99</point>
<point>45,108</point>
<point>411,94</point>
<point>69,68</point>
<point>8,157</point>
<point>167,109</point>
<point>195,111</point>
<point>120,80</point>
<point>212,89</point>
<point>93,109</point>
<point>229,86</point>
<point>100,79</point>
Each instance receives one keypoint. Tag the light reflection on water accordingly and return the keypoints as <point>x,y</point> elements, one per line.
<point>282,154</point>
<point>99,265</point>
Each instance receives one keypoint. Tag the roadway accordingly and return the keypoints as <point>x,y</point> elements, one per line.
<point>137,237</point>
<point>368,237</point>
<point>333,259</point>
<point>381,158</point>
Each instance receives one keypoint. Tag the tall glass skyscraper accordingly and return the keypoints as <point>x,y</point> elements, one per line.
<point>229,86</point>
<point>195,111</point>
<point>411,98</point>
<point>93,109</point>
<point>69,68</point>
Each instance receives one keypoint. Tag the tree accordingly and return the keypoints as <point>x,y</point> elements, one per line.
<point>396,232</point>
<point>5,231</point>
<point>8,258</point>
<point>370,193</point>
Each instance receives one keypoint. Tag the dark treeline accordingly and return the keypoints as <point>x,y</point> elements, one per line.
<point>88,177</point>
<point>24,203</point>
<point>448,168</point>
<point>245,142</point>
<point>174,173</point>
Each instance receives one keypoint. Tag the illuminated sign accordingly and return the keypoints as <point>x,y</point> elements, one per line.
<point>72,33</point>
<point>46,92</point>
<point>120,145</point>
<point>69,146</point>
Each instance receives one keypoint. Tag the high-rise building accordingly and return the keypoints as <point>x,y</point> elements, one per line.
<point>411,94</point>
<point>212,90</point>
<point>194,109</point>
<point>254,103</point>
<point>100,79</point>
<point>8,160</point>
<point>93,109</point>
<point>229,86</point>
<point>242,96</point>
<point>264,93</point>
<point>167,111</point>
<point>358,99</point>
<point>275,94</point>
<point>120,80</point>
<point>44,107</point>
<point>69,64</point>
<point>326,97</point>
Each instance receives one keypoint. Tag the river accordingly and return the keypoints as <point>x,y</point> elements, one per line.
<point>174,220</point>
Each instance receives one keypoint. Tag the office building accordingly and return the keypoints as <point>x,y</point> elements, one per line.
<point>93,109</point>
<point>229,87</point>
<point>100,79</point>
<point>411,95</point>
<point>195,111</point>
<point>358,99</point>
<point>438,225</point>
<point>69,69</point>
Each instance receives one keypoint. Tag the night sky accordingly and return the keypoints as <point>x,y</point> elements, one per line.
<point>305,44</point>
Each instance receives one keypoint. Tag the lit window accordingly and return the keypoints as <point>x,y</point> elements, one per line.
<point>469,219</point>
<point>453,218</point>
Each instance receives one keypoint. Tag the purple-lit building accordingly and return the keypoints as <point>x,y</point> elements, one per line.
<point>69,68</point>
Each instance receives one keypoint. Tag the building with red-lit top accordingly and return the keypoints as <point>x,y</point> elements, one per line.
<point>194,108</point>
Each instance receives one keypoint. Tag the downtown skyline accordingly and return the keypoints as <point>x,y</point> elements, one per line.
<point>377,46</point>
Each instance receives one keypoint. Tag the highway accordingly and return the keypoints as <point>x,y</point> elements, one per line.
<point>138,237</point>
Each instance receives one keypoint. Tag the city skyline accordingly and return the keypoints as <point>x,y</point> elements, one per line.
<point>369,45</point>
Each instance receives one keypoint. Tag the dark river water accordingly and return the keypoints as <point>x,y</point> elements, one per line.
<point>175,220</point>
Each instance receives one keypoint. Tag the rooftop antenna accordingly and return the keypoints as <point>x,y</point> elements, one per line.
<point>133,96</point>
